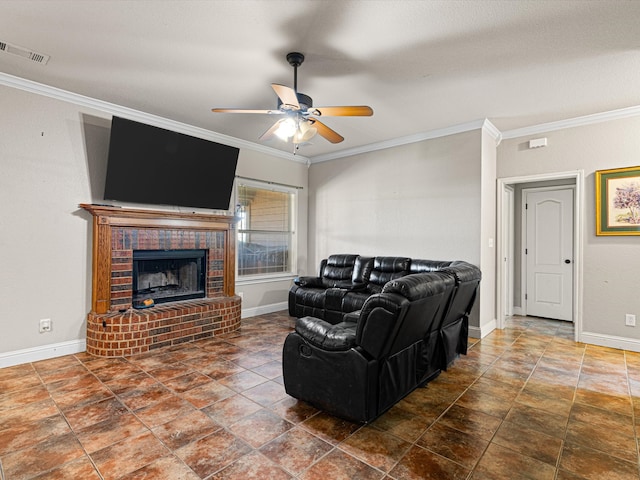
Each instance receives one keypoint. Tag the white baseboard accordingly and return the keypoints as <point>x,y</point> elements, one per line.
<point>612,341</point>
<point>518,311</point>
<point>483,330</point>
<point>44,352</point>
<point>274,307</point>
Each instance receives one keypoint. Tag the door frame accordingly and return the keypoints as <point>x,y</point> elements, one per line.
<point>523,235</point>
<point>507,261</point>
<point>504,223</point>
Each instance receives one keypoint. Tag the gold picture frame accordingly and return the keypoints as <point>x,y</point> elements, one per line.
<point>618,201</point>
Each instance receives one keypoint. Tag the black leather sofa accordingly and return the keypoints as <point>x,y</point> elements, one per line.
<point>372,329</point>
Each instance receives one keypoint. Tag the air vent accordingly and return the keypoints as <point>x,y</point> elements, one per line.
<point>24,53</point>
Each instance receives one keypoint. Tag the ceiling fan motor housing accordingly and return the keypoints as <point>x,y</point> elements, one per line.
<point>305,101</point>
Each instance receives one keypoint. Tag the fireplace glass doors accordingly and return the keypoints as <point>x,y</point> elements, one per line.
<point>168,275</point>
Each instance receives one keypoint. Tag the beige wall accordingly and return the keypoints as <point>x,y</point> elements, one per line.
<point>53,157</point>
<point>421,200</point>
<point>44,236</point>
<point>611,264</point>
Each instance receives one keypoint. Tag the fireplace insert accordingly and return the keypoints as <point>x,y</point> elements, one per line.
<point>168,275</point>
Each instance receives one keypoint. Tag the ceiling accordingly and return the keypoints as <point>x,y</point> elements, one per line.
<point>421,65</point>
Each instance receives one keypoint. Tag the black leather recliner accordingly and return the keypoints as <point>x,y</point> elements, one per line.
<point>309,294</point>
<point>454,330</point>
<point>343,285</point>
<point>450,336</point>
<point>358,369</point>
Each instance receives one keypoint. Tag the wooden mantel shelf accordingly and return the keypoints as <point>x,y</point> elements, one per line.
<point>107,219</point>
<point>160,218</point>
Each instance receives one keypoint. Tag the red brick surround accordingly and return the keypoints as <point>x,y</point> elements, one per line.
<point>124,240</point>
<point>114,328</point>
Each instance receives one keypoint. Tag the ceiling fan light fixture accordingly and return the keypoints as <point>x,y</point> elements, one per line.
<point>286,129</point>
<point>305,132</point>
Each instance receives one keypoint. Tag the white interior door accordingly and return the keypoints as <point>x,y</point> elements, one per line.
<point>549,253</point>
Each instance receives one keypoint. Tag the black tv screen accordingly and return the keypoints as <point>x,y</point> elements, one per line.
<point>148,164</point>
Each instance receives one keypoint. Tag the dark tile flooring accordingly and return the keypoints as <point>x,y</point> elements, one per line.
<point>525,403</point>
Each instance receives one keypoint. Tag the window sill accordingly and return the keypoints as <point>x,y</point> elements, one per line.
<point>265,279</point>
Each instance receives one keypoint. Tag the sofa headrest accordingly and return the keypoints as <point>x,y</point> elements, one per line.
<point>422,266</point>
<point>342,260</point>
<point>391,264</point>
<point>420,285</point>
<point>362,269</point>
<point>338,267</point>
<point>464,272</point>
<point>386,269</point>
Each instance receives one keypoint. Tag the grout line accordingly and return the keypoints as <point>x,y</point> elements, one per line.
<point>498,347</point>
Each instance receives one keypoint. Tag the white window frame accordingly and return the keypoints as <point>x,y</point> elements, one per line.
<point>293,253</point>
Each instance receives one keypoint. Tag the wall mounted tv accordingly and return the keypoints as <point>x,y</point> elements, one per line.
<point>151,165</point>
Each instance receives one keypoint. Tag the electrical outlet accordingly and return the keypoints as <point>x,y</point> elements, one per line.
<point>45,325</point>
<point>630,320</point>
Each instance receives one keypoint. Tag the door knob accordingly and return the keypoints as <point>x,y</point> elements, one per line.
<point>567,261</point>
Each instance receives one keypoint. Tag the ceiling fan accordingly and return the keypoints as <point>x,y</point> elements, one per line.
<point>299,123</point>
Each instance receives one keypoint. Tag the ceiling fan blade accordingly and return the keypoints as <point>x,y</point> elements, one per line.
<point>353,111</point>
<point>326,132</point>
<point>238,110</point>
<point>287,95</point>
<point>271,132</point>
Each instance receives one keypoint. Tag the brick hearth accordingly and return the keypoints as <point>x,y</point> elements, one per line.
<point>114,328</point>
<point>138,331</point>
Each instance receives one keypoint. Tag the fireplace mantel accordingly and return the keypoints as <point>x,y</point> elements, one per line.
<point>106,217</point>
<point>114,327</point>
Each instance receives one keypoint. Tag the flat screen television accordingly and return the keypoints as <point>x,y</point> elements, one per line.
<point>151,165</point>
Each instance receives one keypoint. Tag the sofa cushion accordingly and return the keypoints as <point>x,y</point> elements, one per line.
<point>341,336</point>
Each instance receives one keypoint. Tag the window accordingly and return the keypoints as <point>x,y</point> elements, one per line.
<point>265,229</point>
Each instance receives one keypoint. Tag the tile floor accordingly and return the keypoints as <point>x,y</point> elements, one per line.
<point>526,402</point>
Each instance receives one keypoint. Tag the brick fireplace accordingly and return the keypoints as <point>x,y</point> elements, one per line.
<point>114,326</point>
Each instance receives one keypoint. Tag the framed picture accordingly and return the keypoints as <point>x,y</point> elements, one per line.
<point>618,201</point>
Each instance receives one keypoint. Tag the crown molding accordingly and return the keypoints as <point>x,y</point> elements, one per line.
<point>396,142</point>
<point>492,130</point>
<point>573,122</point>
<point>137,115</point>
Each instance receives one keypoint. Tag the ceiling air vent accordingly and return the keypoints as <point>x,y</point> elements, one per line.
<point>24,53</point>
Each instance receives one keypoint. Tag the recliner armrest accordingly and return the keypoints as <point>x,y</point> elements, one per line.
<point>339,337</point>
<point>311,282</point>
<point>352,317</point>
<point>356,287</point>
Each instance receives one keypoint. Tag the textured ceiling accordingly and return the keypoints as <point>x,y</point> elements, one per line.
<point>421,65</point>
